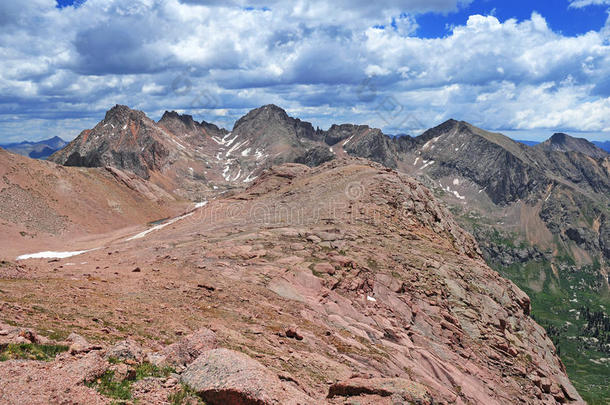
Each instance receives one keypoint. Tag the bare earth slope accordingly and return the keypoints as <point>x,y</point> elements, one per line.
<point>348,281</point>
<point>43,206</point>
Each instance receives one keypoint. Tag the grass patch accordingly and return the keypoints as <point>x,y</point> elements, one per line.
<point>121,390</point>
<point>186,396</point>
<point>30,351</point>
<point>145,370</point>
<point>108,387</point>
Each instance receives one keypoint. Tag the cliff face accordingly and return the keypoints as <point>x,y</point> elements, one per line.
<point>347,281</point>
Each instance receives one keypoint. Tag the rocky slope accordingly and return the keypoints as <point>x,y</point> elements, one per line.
<point>44,205</point>
<point>343,282</point>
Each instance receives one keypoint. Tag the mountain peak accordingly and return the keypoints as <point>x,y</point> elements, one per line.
<point>267,113</point>
<point>559,137</point>
<point>184,118</point>
<point>122,113</point>
<point>561,142</point>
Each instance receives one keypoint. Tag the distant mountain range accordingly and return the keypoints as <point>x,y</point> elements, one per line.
<point>36,150</point>
<point>605,145</point>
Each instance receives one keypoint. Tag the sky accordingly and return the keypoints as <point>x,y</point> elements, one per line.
<point>523,68</point>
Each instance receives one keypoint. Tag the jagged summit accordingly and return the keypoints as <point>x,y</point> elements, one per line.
<point>266,112</point>
<point>561,142</point>
<point>122,113</point>
<point>184,118</point>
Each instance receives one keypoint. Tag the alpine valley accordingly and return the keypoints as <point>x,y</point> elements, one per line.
<point>278,263</point>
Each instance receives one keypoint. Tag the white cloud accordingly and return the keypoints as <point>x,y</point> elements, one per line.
<point>222,58</point>
<point>585,3</point>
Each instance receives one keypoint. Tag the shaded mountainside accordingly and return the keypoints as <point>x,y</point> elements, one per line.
<point>344,282</point>
<point>36,150</point>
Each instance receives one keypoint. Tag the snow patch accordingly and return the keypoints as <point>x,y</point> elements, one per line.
<point>249,179</point>
<point>237,146</point>
<point>201,204</point>
<point>161,226</point>
<point>349,139</point>
<point>238,174</point>
<point>53,255</point>
<point>246,152</point>
<point>430,142</point>
<point>369,298</point>
<point>461,197</point>
<point>456,182</point>
<point>427,164</point>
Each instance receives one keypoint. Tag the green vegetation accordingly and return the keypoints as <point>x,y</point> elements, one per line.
<point>573,309</point>
<point>114,388</point>
<point>30,351</point>
<point>186,396</point>
<point>107,386</point>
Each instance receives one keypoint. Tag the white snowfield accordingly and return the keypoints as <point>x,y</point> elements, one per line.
<point>156,228</point>
<point>53,255</point>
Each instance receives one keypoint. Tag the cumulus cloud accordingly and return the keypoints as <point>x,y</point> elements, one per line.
<point>351,62</point>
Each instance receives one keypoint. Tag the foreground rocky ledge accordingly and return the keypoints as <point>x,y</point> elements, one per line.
<point>373,293</point>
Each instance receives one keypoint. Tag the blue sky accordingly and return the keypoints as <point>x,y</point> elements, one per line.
<point>524,68</point>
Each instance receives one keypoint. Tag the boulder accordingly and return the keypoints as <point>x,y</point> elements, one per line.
<point>325,268</point>
<point>126,350</point>
<point>80,345</point>
<point>407,390</point>
<point>188,349</point>
<point>223,376</point>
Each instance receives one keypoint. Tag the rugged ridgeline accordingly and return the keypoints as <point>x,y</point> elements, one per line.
<point>43,205</point>
<point>346,282</point>
<point>561,197</point>
<point>191,158</point>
